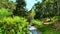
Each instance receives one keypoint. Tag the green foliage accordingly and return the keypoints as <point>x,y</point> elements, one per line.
<point>32,14</point>
<point>10,5</point>
<point>4,13</point>
<point>47,19</point>
<point>37,23</point>
<point>55,18</point>
<point>15,25</point>
<point>20,8</point>
<point>57,31</point>
<point>38,9</point>
<point>47,8</point>
<point>18,25</point>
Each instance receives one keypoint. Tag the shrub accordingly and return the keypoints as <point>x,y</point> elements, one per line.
<point>37,23</point>
<point>15,25</point>
<point>4,13</point>
<point>55,18</point>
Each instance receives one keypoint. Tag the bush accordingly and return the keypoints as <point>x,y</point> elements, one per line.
<point>15,25</point>
<point>4,13</point>
<point>55,18</point>
<point>37,23</point>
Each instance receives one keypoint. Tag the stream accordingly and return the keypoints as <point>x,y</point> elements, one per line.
<point>33,30</point>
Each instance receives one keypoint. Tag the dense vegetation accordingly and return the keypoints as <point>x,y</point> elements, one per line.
<point>15,18</point>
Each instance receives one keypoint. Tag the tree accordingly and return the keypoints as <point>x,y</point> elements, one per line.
<point>10,5</point>
<point>38,8</point>
<point>20,8</point>
<point>57,8</point>
<point>31,15</point>
<point>45,9</point>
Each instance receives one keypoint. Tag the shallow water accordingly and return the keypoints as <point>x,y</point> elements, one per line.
<point>33,30</point>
